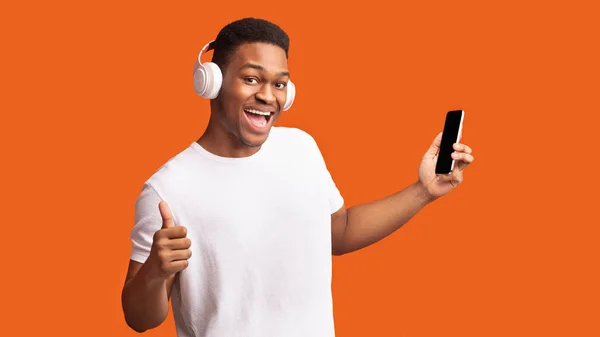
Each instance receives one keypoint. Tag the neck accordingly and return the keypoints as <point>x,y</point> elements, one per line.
<point>221,142</point>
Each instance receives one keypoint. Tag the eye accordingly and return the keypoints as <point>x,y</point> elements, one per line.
<point>281,85</point>
<point>250,79</point>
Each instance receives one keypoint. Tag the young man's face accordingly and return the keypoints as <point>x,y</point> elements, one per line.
<point>253,92</point>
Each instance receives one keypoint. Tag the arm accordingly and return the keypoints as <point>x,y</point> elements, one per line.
<point>366,224</point>
<point>145,299</point>
<point>363,225</point>
<point>147,290</point>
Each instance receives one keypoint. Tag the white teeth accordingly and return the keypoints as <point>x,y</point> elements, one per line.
<point>263,113</point>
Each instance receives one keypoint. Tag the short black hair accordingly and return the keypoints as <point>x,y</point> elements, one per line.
<point>246,30</point>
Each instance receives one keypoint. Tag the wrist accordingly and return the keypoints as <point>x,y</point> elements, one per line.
<point>423,194</point>
<point>150,278</point>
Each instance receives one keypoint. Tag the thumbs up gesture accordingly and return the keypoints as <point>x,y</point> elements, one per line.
<point>170,247</point>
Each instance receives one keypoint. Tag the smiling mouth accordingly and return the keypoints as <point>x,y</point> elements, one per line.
<point>258,117</point>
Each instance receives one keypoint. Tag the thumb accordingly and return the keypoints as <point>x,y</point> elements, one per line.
<point>435,145</point>
<point>165,213</point>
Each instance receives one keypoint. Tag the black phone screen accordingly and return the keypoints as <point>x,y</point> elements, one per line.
<point>449,137</point>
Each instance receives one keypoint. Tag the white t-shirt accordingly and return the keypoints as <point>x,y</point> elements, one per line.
<point>260,228</point>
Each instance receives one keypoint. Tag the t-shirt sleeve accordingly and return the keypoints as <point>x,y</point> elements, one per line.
<point>336,201</point>
<point>147,221</point>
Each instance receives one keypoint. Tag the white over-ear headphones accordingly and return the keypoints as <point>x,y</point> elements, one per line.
<point>208,80</point>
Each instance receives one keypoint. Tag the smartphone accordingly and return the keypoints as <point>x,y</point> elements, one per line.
<point>450,135</point>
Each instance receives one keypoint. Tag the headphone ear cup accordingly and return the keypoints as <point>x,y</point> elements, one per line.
<point>215,80</point>
<point>200,80</point>
<point>291,95</point>
<point>208,80</point>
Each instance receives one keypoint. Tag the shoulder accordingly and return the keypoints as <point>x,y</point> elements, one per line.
<point>298,144</point>
<point>176,169</point>
<point>293,136</point>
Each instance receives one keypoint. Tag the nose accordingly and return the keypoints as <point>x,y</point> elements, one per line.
<point>265,95</point>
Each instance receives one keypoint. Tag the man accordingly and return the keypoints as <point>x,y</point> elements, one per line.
<point>238,229</point>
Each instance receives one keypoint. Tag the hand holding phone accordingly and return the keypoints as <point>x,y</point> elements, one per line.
<point>450,135</point>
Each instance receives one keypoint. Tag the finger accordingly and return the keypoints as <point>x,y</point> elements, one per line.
<point>435,145</point>
<point>166,215</point>
<point>454,178</point>
<point>444,178</point>
<point>462,148</point>
<point>175,266</point>
<point>182,243</point>
<point>176,232</point>
<point>462,160</point>
<point>183,254</point>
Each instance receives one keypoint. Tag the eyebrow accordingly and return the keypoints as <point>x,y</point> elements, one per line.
<point>261,68</point>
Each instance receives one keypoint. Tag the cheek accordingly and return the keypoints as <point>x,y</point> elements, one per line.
<point>281,97</point>
<point>239,93</point>
<point>231,96</point>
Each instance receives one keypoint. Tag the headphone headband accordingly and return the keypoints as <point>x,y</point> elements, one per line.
<point>204,49</point>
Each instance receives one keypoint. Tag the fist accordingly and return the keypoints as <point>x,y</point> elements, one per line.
<point>170,246</point>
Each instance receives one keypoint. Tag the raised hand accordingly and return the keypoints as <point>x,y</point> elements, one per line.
<point>170,247</point>
<point>439,185</point>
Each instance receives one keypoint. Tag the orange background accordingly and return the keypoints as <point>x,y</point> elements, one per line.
<point>97,95</point>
